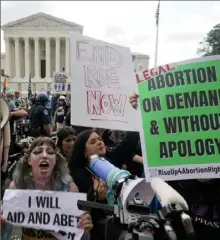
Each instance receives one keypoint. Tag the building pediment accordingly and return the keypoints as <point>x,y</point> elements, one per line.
<point>41,20</point>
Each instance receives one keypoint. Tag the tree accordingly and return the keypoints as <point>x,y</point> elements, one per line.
<point>211,43</point>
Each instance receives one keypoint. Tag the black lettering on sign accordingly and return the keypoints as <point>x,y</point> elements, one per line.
<point>70,236</point>
<point>65,220</point>
<point>181,78</point>
<point>16,217</point>
<point>188,148</point>
<point>192,123</point>
<point>152,104</point>
<point>170,124</point>
<point>29,202</point>
<point>193,99</point>
<point>47,202</point>
<point>39,218</point>
<point>163,150</point>
<point>33,233</point>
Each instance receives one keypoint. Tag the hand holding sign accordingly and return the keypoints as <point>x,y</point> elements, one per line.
<point>133,100</point>
<point>85,222</point>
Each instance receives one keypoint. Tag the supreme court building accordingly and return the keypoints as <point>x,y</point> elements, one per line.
<point>37,46</point>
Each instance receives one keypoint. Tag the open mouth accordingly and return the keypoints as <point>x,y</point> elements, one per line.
<point>44,165</point>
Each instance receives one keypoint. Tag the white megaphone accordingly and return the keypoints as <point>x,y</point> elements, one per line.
<point>4,112</point>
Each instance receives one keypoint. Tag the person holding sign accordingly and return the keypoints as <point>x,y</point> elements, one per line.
<point>203,198</point>
<point>42,168</point>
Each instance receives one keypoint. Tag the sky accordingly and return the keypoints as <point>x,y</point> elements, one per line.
<point>183,24</point>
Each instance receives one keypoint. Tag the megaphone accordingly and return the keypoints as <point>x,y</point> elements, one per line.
<point>4,112</point>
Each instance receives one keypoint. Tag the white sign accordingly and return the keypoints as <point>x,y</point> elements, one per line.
<point>102,78</point>
<point>60,82</point>
<point>45,210</point>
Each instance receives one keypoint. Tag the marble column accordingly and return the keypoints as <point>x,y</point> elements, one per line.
<point>37,57</point>
<point>7,57</point>
<point>57,54</point>
<point>17,58</point>
<point>48,64</point>
<point>67,67</point>
<point>27,57</point>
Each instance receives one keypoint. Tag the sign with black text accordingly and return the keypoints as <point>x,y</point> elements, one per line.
<point>45,210</point>
<point>180,106</point>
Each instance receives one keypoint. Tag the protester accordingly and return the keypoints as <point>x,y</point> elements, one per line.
<point>60,113</point>
<point>88,143</point>
<point>19,103</point>
<point>10,101</point>
<point>44,169</point>
<point>65,139</point>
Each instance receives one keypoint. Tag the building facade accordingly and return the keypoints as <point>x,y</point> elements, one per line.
<point>35,47</point>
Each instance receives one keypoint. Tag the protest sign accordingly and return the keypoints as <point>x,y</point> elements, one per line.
<point>102,76</point>
<point>45,210</point>
<point>180,108</point>
<point>60,82</point>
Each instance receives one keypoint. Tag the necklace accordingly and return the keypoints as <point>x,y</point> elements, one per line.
<point>41,182</point>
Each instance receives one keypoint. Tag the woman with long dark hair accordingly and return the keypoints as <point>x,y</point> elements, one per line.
<point>89,143</point>
<point>65,139</point>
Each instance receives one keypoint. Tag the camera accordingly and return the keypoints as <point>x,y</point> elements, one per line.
<point>141,210</point>
<point>23,128</point>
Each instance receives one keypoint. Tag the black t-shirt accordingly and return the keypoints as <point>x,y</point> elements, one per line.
<point>203,199</point>
<point>61,112</point>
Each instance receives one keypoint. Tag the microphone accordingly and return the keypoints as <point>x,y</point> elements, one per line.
<point>121,183</point>
<point>167,195</point>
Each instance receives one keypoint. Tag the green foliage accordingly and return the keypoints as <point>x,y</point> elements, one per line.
<point>211,43</point>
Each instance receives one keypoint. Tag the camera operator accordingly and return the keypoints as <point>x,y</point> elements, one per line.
<point>39,117</point>
<point>203,198</point>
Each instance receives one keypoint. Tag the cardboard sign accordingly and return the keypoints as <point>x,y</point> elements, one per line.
<point>180,106</point>
<point>102,79</point>
<point>45,210</point>
<point>60,83</point>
